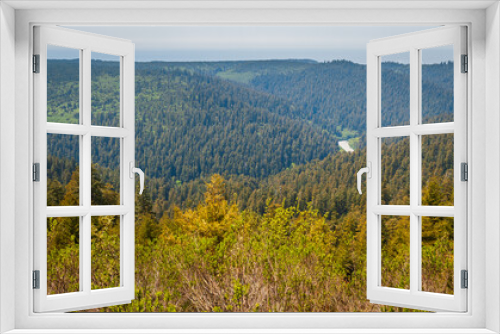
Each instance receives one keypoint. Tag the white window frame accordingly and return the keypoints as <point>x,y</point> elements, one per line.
<point>85,44</point>
<point>413,44</point>
<point>484,49</point>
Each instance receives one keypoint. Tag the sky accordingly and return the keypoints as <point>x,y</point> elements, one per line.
<point>213,43</point>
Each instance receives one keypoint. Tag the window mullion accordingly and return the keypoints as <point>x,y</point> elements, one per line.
<point>80,160</point>
<point>421,129</point>
<point>415,167</point>
<point>86,173</point>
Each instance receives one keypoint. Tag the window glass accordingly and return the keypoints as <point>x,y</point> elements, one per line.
<point>395,167</point>
<point>105,171</point>
<point>63,254</point>
<point>437,170</point>
<point>63,172</point>
<point>437,254</point>
<point>395,252</point>
<point>105,90</point>
<point>63,85</point>
<point>105,252</point>
<point>437,84</point>
<point>395,89</point>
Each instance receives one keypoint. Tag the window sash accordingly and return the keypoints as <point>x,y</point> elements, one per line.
<point>87,43</point>
<point>414,297</point>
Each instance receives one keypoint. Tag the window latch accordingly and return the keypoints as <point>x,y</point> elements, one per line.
<point>368,171</point>
<point>132,171</point>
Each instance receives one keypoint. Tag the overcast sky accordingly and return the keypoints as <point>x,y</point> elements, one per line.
<point>211,43</point>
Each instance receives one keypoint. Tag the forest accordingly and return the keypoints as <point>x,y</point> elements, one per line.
<point>249,204</point>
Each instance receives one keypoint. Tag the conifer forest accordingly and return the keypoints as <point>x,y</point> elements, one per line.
<point>250,205</point>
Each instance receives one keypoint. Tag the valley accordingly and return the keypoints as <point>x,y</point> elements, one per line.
<point>250,202</point>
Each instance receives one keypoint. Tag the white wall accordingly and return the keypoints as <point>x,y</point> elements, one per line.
<point>23,156</point>
<point>492,164</point>
<point>7,161</point>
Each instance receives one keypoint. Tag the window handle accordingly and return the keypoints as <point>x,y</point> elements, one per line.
<point>368,171</point>
<point>139,171</point>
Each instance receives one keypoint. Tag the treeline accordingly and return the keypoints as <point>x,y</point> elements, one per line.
<point>328,184</point>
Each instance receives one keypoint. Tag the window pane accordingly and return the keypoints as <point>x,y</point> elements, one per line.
<point>395,251</point>
<point>105,90</point>
<point>437,84</point>
<point>63,255</point>
<point>105,252</point>
<point>395,164</point>
<point>105,171</point>
<point>63,85</point>
<point>395,94</point>
<point>437,170</point>
<point>63,177</point>
<point>437,254</point>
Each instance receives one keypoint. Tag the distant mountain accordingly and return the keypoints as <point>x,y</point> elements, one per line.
<point>191,124</point>
<point>245,118</point>
<point>332,95</point>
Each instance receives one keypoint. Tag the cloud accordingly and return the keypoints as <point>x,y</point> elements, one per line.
<point>175,43</point>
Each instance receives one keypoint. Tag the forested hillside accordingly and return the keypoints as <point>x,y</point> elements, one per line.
<point>220,258</point>
<point>190,125</point>
<point>199,125</point>
<point>333,94</point>
<point>268,117</point>
<point>249,205</point>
